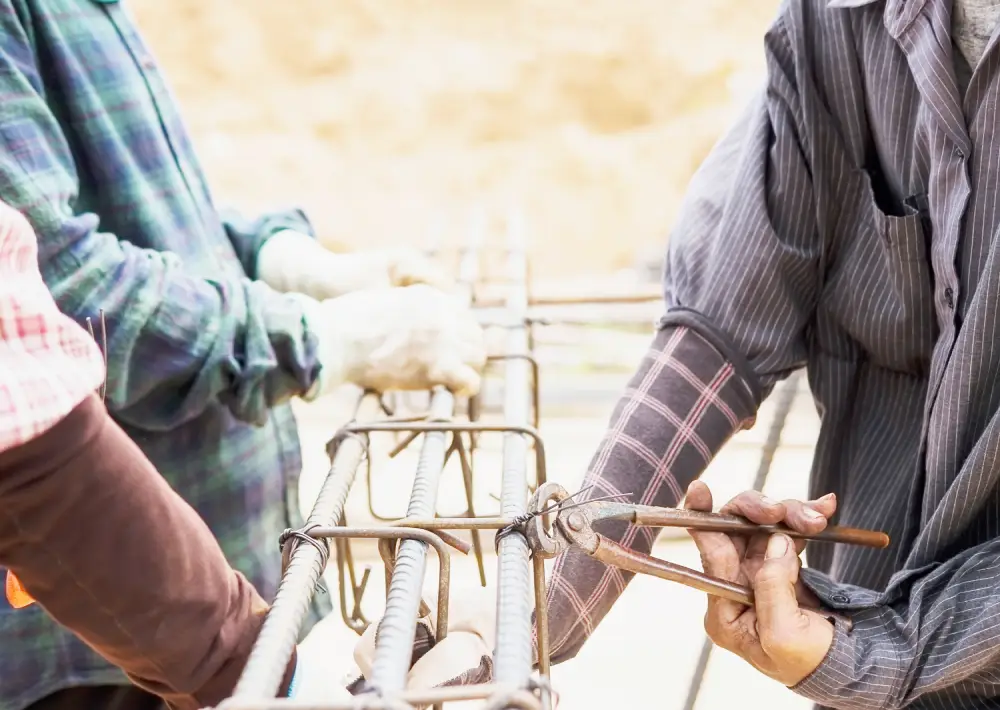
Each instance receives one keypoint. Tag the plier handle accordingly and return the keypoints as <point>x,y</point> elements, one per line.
<point>573,529</point>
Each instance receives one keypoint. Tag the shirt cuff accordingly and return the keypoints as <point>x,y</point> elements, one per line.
<point>247,235</point>
<point>863,668</point>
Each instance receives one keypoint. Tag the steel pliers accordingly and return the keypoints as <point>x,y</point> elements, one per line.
<point>572,529</point>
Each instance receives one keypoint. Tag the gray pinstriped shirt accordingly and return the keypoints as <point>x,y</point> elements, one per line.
<point>848,225</point>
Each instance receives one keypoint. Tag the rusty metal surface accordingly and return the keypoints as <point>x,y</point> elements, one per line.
<point>513,654</point>
<point>573,529</point>
<point>265,668</point>
<point>528,529</point>
<point>496,697</point>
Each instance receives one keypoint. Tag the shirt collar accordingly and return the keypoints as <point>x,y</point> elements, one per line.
<point>899,14</point>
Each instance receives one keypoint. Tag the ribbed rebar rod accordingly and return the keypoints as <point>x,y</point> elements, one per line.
<point>265,668</point>
<point>397,630</point>
<point>512,657</point>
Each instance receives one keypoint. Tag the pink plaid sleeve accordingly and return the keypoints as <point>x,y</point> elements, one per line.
<point>682,404</point>
<point>48,363</point>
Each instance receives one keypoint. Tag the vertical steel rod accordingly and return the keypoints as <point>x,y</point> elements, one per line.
<point>397,630</point>
<point>265,668</point>
<point>512,657</point>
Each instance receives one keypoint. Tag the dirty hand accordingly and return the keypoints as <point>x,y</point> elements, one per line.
<point>411,338</point>
<point>293,262</point>
<point>777,636</point>
<point>463,657</point>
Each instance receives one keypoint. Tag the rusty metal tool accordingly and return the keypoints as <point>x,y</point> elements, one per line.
<point>573,529</point>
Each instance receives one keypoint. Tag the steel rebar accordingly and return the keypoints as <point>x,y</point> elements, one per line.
<point>404,699</point>
<point>265,668</point>
<point>397,629</point>
<point>512,656</point>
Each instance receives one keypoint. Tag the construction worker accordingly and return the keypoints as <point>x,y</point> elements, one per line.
<point>847,224</point>
<point>213,323</point>
<point>92,531</point>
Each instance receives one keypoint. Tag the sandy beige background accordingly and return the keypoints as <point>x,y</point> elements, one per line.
<point>387,120</point>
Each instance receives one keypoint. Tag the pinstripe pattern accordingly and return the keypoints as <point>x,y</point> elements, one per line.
<point>846,225</point>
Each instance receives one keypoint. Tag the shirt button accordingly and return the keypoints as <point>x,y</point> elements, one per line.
<point>841,598</point>
<point>959,153</point>
<point>949,298</point>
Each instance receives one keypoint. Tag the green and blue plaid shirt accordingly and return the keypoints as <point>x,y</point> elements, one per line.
<point>201,359</point>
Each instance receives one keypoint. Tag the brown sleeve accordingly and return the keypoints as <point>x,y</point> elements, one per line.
<point>104,544</point>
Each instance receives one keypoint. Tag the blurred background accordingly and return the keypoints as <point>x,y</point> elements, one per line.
<point>382,118</point>
<point>387,120</point>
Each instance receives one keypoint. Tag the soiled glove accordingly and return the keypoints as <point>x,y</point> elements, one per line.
<point>464,657</point>
<point>411,338</point>
<point>294,262</point>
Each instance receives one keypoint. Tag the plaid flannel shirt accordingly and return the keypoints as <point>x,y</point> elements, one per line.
<point>48,363</point>
<point>201,358</point>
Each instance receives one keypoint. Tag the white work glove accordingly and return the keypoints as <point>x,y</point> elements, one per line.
<point>291,261</point>
<point>411,338</point>
<point>464,657</point>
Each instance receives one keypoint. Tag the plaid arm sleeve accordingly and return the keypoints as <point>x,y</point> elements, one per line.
<point>683,403</point>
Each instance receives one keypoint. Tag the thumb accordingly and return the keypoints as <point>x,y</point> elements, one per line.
<point>779,619</point>
<point>456,376</point>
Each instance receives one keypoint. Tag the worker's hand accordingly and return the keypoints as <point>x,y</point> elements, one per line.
<point>411,338</point>
<point>776,636</point>
<point>463,657</point>
<point>293,262</point>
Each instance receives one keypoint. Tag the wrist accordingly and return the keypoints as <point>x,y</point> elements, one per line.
<point>292,262</point>
<point>330,349</point>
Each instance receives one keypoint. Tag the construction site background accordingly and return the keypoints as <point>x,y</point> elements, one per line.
<point>388,121</point>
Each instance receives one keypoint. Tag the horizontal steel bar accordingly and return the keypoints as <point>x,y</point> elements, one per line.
<point>408,699</point>
<point>471,427</point>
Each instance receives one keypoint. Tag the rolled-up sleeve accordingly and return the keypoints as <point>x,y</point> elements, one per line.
<point>938,629</point>
<point>248,234</point>
<point>740,289</point>
<point>176,342</point>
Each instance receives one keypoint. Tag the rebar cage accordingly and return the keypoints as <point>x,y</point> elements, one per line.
<point>445,429</point>
<point>448,428</point>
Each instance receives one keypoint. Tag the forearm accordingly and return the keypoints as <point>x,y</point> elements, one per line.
<point>682,404</point>
<point>934,633</point>
<point>111,552</point>
<point>176,342</point>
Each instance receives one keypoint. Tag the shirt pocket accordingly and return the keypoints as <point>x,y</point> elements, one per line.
<point>879,287</point>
